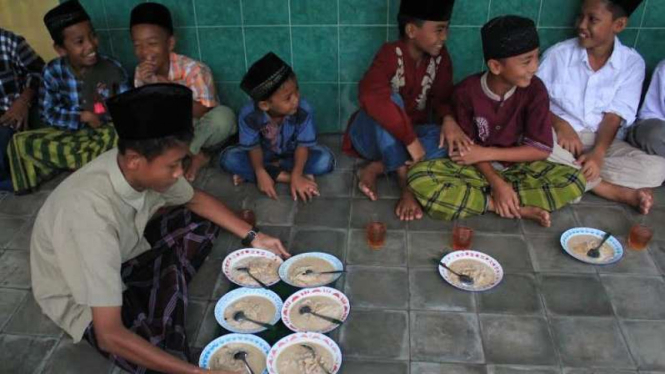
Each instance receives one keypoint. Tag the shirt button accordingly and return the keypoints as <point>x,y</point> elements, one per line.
<point>498,128</point>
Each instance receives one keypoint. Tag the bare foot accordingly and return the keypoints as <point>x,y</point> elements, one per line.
<point>237,180</point>
<point>367,179</point>
<point>408,208</point>
<point>283,177</point>
<point>541,216</point>
<point>198,161</point>
<point>643,200</point>
<point>310,177</point>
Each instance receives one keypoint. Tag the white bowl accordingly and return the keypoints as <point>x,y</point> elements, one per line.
<point>240,293</point>
<point>212,347</point>
<point>326,292</point>
<point>334,261</point>
<point>612,241</point>
<point>483,258</point>
<point>304,338</point>
<point>234,257</point>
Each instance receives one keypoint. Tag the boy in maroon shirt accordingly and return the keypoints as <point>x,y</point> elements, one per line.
<point>505,111</point>
<point>404,102</point>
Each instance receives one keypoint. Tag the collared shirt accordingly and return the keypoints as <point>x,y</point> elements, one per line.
<point>89,225</point>
<point>521,117</point>
<point>192,74</point>
<point>654,102</point>
<point>20,67</point>
<point>294,131</point>
<point>582,96</point>
<point>63,95</point>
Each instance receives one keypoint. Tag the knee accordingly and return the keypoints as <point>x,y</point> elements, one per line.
<point>222,117</point>
<point>323,160</point>
<point>230,157</point>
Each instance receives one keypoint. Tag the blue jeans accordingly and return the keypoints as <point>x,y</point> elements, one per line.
<point>375,143</point>
<point>6,134</point>
<point>235,160</point>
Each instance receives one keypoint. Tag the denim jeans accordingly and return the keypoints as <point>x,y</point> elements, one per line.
<point>235,160</point>
<point>375,143</point>
<point>6,134</point>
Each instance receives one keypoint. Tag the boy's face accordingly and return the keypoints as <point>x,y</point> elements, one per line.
<point>596,25</point>
<point>430,37</point>
<point>517,70</point>
<point>285,101</point>
<point>163,171</point>
<point>152,43</point>
<point>79,44</point>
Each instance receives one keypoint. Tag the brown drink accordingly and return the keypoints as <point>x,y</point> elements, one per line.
<point>248,216</point>
<point>639,237</point>
<point>376,235</point>
<point>462,237</point>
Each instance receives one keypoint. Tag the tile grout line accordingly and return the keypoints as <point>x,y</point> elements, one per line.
<point>196,26</point>
<point>242,31</point>
<point>293,58</point>
<point>548,320</point>
<point>339,73</point>
<point>106,21</point>
<point>639,29</point>
<point>387,19</point>
<point>540,13</point>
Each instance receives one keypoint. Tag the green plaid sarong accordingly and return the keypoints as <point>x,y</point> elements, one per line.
<point>38,155</point>
<point>449,191</point>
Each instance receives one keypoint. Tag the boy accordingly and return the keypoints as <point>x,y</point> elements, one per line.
<point>404,96</point>
<point>648,133</point>
<point>595,83</point>
<point>505,111</point>
<point>152,34</point>
<point>105,272</point>
<point>20,74</point>
<point>74,87</point>
<point>277,134</point>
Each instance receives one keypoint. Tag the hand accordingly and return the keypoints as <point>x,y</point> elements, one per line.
<point>91,119</point>
<point>568,139</point>
<point>506,201</point>
<point>303,187</point>
<point>267,242</point>
<point>17,115</point>
<point>473,155</point>
<point>266,184</point>
<point>591,163</point>
<point>453,135</point>
<point>147,71</point>
<point>416,151</point>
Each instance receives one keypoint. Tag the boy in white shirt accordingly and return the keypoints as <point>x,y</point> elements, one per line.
<point>594,83</point>
<point>648,133</point>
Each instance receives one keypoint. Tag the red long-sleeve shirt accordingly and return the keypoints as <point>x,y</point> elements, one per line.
<point>426,87</point>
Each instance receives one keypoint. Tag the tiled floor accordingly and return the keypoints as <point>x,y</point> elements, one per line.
<point>550,315</point>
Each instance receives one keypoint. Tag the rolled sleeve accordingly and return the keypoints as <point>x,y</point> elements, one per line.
<point>627,99</point>
<point>307,130</point>
<point>249,137</point>
<point>538,129</point>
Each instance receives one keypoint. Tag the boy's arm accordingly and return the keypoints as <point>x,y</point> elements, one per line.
<point>263,180</point>
<point>54,113</point>
<point>301,186</point>
<point>592,160</point>
<point>504,200</point>
<point>199,110</point>
<point>477,154</point>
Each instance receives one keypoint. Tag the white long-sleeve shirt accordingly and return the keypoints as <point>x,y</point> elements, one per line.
<point>654,102</point>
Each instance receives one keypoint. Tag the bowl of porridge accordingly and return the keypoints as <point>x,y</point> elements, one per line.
<point>219,354</point>
<point>310,270</point>
<point>578,241</point>
<point>257,304</point>
<point>259,263</point>
<point>484,269</point>
<point>304,353</point>
<point>324,301</point>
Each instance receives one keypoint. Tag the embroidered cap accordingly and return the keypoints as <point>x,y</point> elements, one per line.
<point>265,76</point>
<point>508,36</point>
<point>153,14</point>
<point>427,10</point>
<point>62,16</point>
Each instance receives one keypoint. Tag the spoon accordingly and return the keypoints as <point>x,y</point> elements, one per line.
<point>305,309</point>
<point>594,252</point>
<point>240,315</point>
<point>313,352</point>
<point>463,278</point>
<point>309,271</point>
<point>242,355</point>
<point>246,270</point>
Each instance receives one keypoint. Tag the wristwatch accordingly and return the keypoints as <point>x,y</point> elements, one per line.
<point>249,238</point>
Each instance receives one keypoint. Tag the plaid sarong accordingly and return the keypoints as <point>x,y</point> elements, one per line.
<point>449,191</point>
<point>155,302</point>
<point>38,155</point>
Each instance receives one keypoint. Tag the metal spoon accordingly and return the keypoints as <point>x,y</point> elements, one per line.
<point>309,271</point>
<point>313,352</point>
<point>246,270</point>
<point>594,252</point>
<point>463,278</point>
<point>305,309</point>
<point>237,316</point>
<point>242,355</point>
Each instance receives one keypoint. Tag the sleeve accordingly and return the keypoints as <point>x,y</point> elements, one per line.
<point>463,111</point>
<point>180,193</point>
<point>137,82</point>
<point>88,251</point>
<point>249,138</point>
<point>307,129</point>
<point>56,109</point>
<point>654,102</point>
<point>29,63</point>
<point>538,122</point>
<point>375,96</point>
<point>549,68</point>
<point>199,80</point>
<point>626,101</point>
<point>124,84</point>
<point>442,88</point>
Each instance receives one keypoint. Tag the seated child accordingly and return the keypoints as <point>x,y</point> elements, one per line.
<point>74,88</point>
<point>404,102</point>
<point>154,44</point>
<point>648,133</point>
<point>595,83</point>
<point>505,111</point>
<point>20,75</point>
<point>277,134</point>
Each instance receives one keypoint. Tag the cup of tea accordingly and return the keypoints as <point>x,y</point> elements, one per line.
<point>639,237</point>
<point>462,236</point>
<point>248,216</point>
<point>376,233</point>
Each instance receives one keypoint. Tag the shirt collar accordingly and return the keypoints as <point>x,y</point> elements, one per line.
<point>126,192</point>
<point>615,60</point>
<point>492,95</point>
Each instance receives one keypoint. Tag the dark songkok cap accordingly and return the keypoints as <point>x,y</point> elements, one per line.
<point>265,76</point>
<point>628,6</point>
<point>508,36</point>
<point>64,15</point>
<point>153,14</point>
<point>427,10</point>
<point>152,111</point>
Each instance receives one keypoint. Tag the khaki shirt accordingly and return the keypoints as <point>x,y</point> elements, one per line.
<point>92,223</point>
